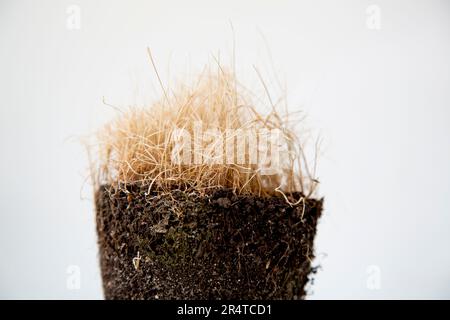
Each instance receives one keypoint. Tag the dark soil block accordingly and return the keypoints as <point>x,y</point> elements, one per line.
<point>217,245</point>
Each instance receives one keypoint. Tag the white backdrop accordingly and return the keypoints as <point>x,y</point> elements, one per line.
<point>373,76</point>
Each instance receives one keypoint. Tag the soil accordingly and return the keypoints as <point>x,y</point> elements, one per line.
<point>218,245</point>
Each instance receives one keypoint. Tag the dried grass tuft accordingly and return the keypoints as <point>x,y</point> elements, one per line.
<point>137,146</point>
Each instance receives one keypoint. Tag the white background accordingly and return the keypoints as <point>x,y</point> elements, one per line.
<point>380,100</point>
